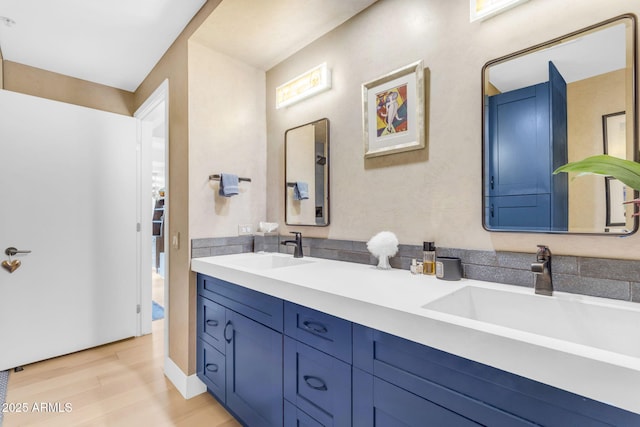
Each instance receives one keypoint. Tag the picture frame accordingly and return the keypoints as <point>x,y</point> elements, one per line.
<point>393,112</point>
<point>484,9</point>
<point>614,144</point>
<point>616,195</point>
<point>614,134</point>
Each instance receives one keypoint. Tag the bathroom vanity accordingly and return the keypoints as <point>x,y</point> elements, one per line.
<point>315,342</point>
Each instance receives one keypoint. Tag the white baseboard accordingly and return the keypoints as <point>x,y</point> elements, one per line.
<point>188,386</point>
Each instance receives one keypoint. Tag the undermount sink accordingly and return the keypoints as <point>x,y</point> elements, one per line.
<point>270,261</point>
<point>611,326</point>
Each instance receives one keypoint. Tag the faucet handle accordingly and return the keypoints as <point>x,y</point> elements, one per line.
<point>543,253</point>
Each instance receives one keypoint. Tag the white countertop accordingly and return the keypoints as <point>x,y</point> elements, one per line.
<point>392,300</point>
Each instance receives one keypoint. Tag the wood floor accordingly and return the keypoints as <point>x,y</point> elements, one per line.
<point>120,384</point>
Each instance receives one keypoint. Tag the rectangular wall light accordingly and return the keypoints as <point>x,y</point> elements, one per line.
<point>306,85</point>
<point>483,9</point>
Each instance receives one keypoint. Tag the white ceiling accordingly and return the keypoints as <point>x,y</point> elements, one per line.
<point>118,42</point>
<point>112,42</point>
<point>596,53</point>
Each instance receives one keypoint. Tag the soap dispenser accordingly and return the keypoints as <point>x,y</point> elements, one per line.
<point>429,258</point>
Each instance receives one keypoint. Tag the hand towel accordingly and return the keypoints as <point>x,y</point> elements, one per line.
<point>228,185</point>
<point>300,191</point>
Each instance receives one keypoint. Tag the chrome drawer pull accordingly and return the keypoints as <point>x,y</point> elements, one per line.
<point>212,322</point>
<point>212,367</point>
<point>316,327</point>
<point>315,383</point>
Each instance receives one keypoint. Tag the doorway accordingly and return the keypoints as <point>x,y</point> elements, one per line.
<point>153,131</point>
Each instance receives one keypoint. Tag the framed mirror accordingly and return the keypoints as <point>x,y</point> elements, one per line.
<point>306,158</point>
<point>554,103</point>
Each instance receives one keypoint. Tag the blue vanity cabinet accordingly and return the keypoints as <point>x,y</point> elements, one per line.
<point>391,373</point>
<point>239,350</point>
<point>275,363</point>
<point>526,140</point>
<point>317,368</point>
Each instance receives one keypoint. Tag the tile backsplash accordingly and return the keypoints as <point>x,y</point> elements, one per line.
<point>601,277</point>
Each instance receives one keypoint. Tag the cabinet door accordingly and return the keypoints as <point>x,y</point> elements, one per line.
<point>318,384</point>
<point>377,403</point>
<point>518,159</point>
<point>519,149</point>
<point>526,212</point>
<point>254,371</point>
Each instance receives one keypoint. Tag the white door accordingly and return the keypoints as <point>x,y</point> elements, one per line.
<point>68,183</point>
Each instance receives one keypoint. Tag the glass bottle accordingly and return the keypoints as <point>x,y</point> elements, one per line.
<point>429,258</point>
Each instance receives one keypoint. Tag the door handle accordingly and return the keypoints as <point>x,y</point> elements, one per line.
<point>212,322</point>
<point>211,367</point>
<point>11,251</point>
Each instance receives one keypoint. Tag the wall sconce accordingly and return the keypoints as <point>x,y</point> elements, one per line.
<point>304,86</point>
<point>483,9</point>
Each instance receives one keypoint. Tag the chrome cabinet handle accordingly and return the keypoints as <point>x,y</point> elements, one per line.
<point>315,382</point>
<point>316,327</point>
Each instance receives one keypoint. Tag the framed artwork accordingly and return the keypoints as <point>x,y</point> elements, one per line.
<point>483,9</point>
<point>614,136</point>
<point>393,112</point>
<point>616,195</point>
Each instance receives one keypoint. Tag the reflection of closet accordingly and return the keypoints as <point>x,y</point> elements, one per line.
<point>158,229</point>
<point>527,141</point>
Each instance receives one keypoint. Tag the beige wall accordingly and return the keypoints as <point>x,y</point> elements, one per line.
<point>588,101</point>
<point>419,196</point>
<point>46,84</point>
<point>227,134</point>
<point>1,70</point>
<point>182,289</point>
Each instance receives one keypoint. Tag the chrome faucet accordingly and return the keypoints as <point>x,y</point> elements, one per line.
<point>542,270</point>
<point>297,251</point>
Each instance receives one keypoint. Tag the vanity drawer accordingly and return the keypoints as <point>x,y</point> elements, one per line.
<point>255,305</point>
<point>319,330</point>
<point>294,417</point>
<point>377,403</point>
<point>485,394</point>
<point>317,384</point>
<point>211,369</point>
<point>211,321</point>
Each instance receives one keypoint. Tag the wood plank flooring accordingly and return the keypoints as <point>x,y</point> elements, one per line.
<point>120,384</point>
